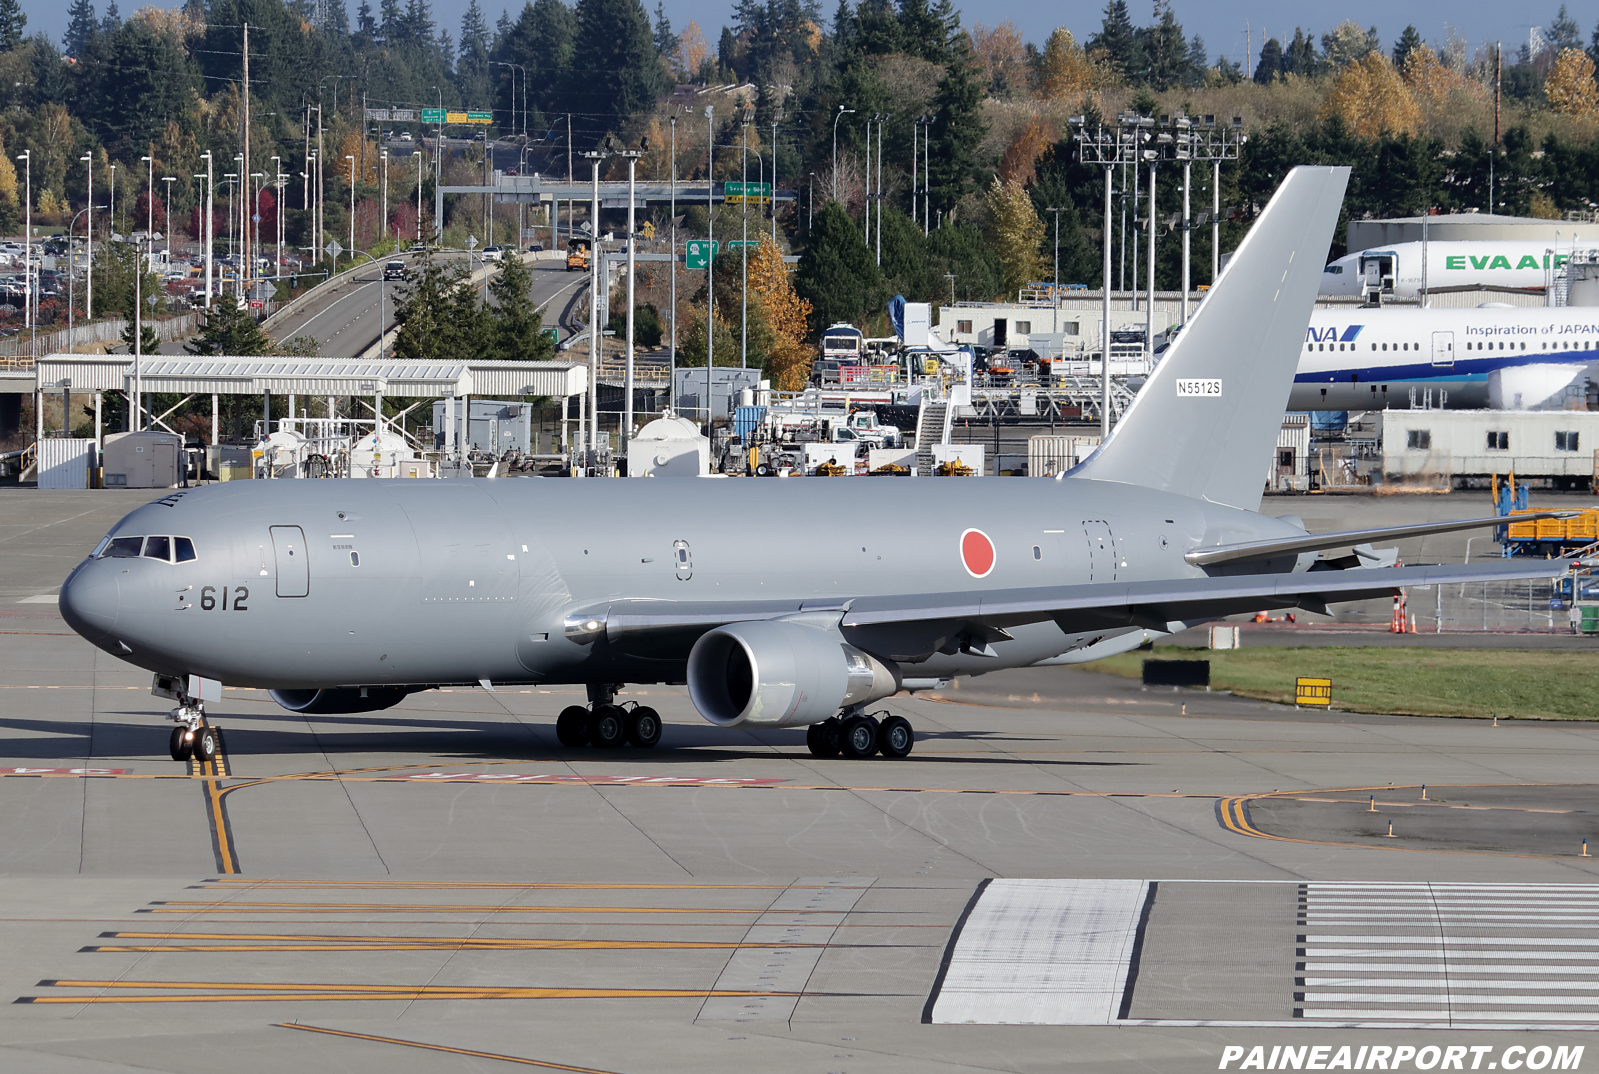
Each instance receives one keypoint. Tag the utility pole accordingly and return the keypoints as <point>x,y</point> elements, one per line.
<point>632,156</point>
<point>1057,212</point>
<point>885,119</point>
<point>710,264</point>
<point>842,112</point>
<point>927,177</point>
<point>210,237</point>
<point>744,253</point>
<point>866,196</point>
<point>1494,155</point>
<point>88,224</point>
<point>595,283</point>
<point>247,267</point>
<point>26,156</point>
<point>772,201</point>
<point>351,159</point>
<point>671,384</point>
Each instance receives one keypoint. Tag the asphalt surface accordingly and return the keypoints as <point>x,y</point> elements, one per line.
<point>344,320</point>
<point>442,887</point>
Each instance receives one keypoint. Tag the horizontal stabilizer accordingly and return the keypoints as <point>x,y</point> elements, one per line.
<point>1315,542</point>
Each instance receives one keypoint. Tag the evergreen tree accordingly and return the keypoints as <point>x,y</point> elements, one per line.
<point>336,19</point>
<point>1165,50</point>
<point>517,325</point>
<point>923,31</point>
<point>12,21</point>
<point>1408,42</point>
<point>1564,32</point>
<point>963,252</point>
<point>954,135</point>
<point>542,40</point>
<point>474,36</point>
<point>877,28</point>
<point>149,338</point>
<point>227,329</point>
<point>727,52</point>
<point>1117,42</point>
<point>614,66</point>
<point>1271,62</point>
<point>365,25</point>
<point>82,26</point>
<point>392,26</point>
<point>843,36</point>
<point>665,39</point>
<point>113,19</point>
<point>1300,57</point>
<point>837,274</point>
<point>1198,62</point>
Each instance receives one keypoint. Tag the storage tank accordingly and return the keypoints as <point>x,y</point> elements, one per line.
<point>669,446</point>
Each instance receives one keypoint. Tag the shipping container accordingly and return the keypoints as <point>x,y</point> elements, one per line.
<point>64,463</point>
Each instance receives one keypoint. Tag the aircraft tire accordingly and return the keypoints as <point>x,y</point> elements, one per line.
<point>858,737</point>
<point>606,727</point>
<point>206,744</point>
<point>569,727</point>
<point>643,727</point>
<point>823,738</point>
<point>179,748</point>
<point>896,737</point>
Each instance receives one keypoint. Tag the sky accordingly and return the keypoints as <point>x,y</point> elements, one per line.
<point>1220,22</point>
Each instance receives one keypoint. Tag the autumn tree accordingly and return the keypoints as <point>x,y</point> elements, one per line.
<point>1570,88</point>
<point>787,316</point>
<point>1018,232</point>
<point>1063,70</point>
<point>1003,57</point>
<point>1371,99</point>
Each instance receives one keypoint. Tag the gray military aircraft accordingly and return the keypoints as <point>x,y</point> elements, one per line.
<point>345,596</point>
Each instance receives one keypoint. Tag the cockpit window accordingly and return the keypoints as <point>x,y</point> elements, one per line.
<point>124,548</point>
<point>183,549</point>
<point>158,548</point>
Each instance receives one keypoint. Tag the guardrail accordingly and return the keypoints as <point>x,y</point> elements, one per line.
<point>62,339</point>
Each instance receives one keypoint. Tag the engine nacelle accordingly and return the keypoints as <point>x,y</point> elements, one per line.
<point>343,699</point>
<point>1526,387</point>
<point>781,674</point>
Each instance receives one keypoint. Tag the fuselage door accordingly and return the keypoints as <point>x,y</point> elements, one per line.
<point>294,569</point>
<point>1101,551</point>
<point>1443,348</point>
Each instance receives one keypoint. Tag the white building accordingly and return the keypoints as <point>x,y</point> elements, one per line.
<point>1559,445</point>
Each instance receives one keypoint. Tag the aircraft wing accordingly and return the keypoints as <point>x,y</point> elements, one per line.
<point>914,626</point>
<point>1314,542</point>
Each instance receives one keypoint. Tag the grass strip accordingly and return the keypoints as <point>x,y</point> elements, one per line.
<point>1411,682</point>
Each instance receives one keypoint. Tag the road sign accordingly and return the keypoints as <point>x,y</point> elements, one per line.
<point>738,243</point>
<point>256,304</point>
<point>699,253</point>
<point>432,115</point>
<point>649,230</point>
<point>333,248</point>
<point>741,192</point>
<point>255,218</point>
<point>471,242</point>
<point>480,117</point>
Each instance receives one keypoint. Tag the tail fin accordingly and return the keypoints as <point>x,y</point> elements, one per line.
<point>1205,422</point>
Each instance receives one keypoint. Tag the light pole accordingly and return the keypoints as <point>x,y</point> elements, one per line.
<point>351,159</point>
<point>70,274</point>
<point>879,232</point>
<point>710,255</point>
<point>88,227</point>
<point>744,253</point>
<point>595,283</point>
<point>169,180</point>
<point>210,224</point>
<point>927,177</point>
<point>242,175</point>
<point>842,112</point>
<point>27,238</point>
<point>671,384</point>
<point>277,214</point>
<point>632,156</point>
<point>1057,212</point>
<point>866,197</point>
<point>772,202</point>
<point>113,199</point>
<point>383,228</point>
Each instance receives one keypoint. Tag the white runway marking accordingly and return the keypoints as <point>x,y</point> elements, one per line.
<point>42,598</point>
<point>1479,965</point>
<point>1044,952</point>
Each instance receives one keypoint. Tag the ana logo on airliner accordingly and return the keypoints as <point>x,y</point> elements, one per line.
<point>1332,335</point>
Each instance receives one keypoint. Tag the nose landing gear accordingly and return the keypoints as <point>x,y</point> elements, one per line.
<point>193,737</point>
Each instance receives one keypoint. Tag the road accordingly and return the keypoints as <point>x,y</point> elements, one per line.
<point>344,320</point>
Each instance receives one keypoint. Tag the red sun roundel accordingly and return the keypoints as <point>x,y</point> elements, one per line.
<point>977,553</point>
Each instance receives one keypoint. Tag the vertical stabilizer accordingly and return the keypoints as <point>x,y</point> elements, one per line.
<point>1205,422</point>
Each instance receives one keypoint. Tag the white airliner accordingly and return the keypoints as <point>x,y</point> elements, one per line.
<point>1505,358</point>
<point>1396,270</point>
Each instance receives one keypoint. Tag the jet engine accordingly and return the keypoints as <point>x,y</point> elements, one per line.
<point>781,673</point>
<point>1526,387</point>
<point>342,699</point>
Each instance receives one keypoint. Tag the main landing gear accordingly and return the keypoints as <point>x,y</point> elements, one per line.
<point>855,734</point>
<point>607,725</point>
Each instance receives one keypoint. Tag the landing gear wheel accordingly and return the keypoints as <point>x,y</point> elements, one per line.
<point>606,727</point>
<point>180,746</point>
<point>206,744</point>
<point>643,727</point>
<point>895,737</point>
<point>823,739</point>
<point>569,727</point>
<point>858,737</point>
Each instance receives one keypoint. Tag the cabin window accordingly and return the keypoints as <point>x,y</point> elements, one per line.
<point>964,327</point>
<point>1565,441</point>
<point>1418,440</point>
<point>355,559</point>
<point>1498,441</point>
<point>1038,553</point>
<point>1374,346</point>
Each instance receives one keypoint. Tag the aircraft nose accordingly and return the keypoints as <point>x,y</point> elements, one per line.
<point>89,601</point>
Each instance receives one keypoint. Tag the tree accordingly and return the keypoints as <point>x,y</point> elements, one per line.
<point>614,66</point>
<point>1563,32</point>
<point>227,329</point>
<point>1371,99</point>
<point>439,316</point>
<point>1348,44</point>
<point>1270,66</point>
<point>955,134</point>
<point>786,315</point>
<point>12,21</point>
<point>1408,42</point>
<point>149,338</point>
<point>1003,56</point>
<point>1063,68</point>
<point>1570,87</point>
<point>1116,45</point>
<point>837,274</point>
<point>665,39</point>
<point>82,26</point>
<point>517,324</point>
<point>1165,50</point>
<point>1300,58</point>
<point>1018,231</point>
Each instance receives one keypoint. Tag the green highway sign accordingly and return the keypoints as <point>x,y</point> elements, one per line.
<point>699,253</point>
<point>432,115</point>
<point>737,191</point>
<point>480,117</point>
<point>736,244</point>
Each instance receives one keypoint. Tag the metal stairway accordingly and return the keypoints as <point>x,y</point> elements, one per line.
<point>932,427</point>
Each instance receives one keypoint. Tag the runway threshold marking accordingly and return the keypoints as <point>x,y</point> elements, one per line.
<point>238,992</point>
<point>474,1053</point>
